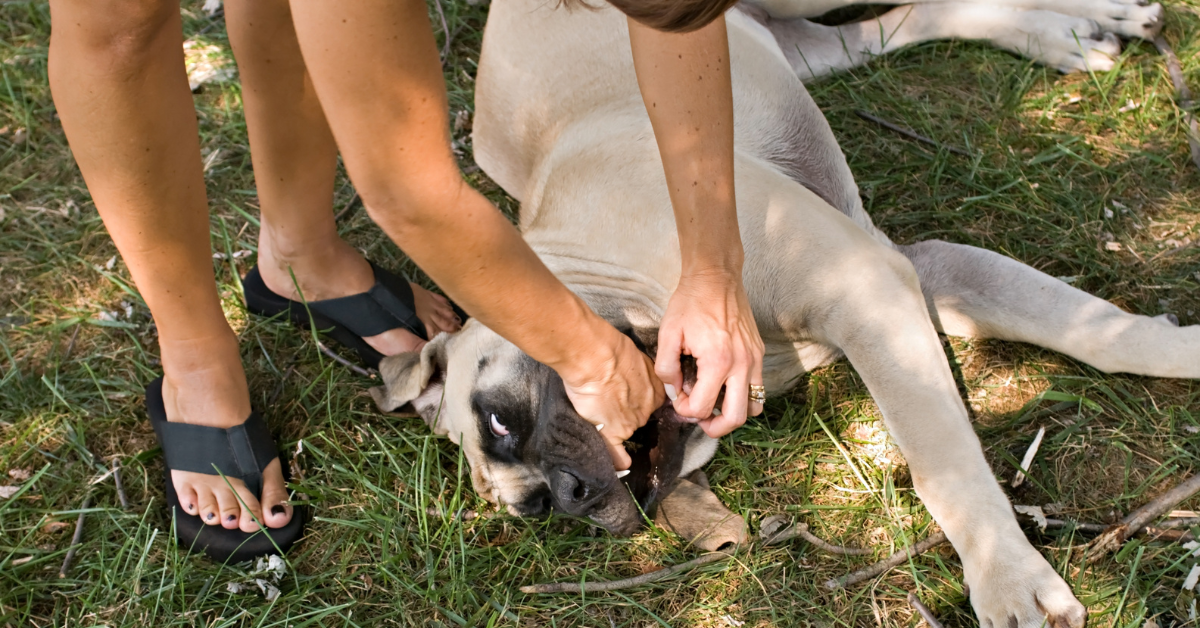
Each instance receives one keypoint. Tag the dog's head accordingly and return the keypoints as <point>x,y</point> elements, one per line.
<point>527,447</point>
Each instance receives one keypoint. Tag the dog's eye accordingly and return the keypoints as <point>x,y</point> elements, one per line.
<point>497,427</point>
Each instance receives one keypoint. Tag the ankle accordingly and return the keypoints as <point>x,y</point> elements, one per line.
<point>204,382</point>
<point>323,267</point>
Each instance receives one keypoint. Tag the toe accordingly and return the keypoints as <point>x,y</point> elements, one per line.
<point>187,497</point>
<point>207,505</point>
<point>228,507</point>
<point>251,510</point>
<point>276,512</point>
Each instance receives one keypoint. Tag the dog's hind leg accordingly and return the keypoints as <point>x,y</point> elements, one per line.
<point>1060,41</point>
<point>977,293</point>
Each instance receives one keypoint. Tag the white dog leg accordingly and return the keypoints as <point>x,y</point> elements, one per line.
<point>882,324</point>
<point>1064,42</point>
<point>977,293</point>
<point>1128,18</point>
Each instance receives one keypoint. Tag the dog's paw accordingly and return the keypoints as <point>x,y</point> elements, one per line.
<point>1024,593</point>
<point>1131,18</point>
<point>1076,45</point>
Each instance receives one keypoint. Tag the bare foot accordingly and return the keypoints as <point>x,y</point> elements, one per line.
<point>204,384</point>
<point>334,269</point>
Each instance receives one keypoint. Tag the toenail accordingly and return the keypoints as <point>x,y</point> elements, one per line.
<point>209,516</point>
<point>231,518</point>
<point>278,509</point>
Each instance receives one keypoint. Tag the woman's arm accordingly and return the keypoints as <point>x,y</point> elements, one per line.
<point>685,83</point>
<point>375,68</point>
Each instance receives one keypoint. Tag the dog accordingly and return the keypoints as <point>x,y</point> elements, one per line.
<point>560,125</point>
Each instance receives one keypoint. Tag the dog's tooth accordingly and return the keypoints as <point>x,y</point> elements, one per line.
<point>621,474</point>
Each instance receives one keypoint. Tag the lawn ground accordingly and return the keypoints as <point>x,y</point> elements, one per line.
<point>1084,176</point>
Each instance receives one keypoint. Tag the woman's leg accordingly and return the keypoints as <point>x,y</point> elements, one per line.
<point>117,74</point>
<point>295,161</point>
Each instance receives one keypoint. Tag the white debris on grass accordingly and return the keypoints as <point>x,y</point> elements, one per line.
<point>211,7</point>
<point>732,622</point>
<point>1189,583</point>
<point>1194,547</point>
<point>8,491</point>
<point>19,475</point>
<point>269,590</point>
<point>1130,105</point>
<point>267,572</point>
<point>1019,479</point>
<point>1039,517</point>
<point>1112,246</point>
<point>206,64</point>
<point>236,254</point>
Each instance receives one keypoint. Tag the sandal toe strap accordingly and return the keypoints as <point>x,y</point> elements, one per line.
<point>241,451</point>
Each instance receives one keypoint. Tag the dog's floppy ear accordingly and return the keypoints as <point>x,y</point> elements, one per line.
<point>416,378</point>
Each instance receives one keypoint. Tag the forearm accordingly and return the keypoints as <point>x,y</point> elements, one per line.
<point>685,83</point>
<point>480,260</point>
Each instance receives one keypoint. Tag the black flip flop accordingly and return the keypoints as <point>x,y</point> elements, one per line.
<point>241,452</point>
<point>387,305</point>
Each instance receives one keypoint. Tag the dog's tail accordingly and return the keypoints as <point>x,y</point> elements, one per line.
<point>977,293</point>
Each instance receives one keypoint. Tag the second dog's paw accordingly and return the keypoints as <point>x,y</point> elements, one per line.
<point>1131,18</point>
<point>1024,593</point>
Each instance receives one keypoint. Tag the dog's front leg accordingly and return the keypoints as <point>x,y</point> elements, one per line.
<point>881,322</point>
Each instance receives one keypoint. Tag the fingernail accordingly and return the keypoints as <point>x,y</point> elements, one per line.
<point>599,427</point>
<point>672,394</point>
<point>621,474</point>
<point>278,509</point>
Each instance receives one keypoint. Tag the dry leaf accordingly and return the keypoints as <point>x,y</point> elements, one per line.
<point>8,491</point>
<point>1112,246</point>
<point>19,475</point>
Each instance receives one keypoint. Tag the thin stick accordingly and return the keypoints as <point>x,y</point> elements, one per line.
<point>926,614</point>
<point>76,539</point>
<point>884,565</point>
<point>343,361</point>
<point>1184,522</point>
<point>70,345</point>
<point>446,36</point>
<point>910,134</point>
<point>1138,519</point>
<point>1183,94</point>
<point>801,530</point>
<point>116,467</point>
<point>355,203</point>
<point>282,381</point>
<point>612,585</point>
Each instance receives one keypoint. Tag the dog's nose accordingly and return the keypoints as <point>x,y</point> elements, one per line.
<point>573,493</point>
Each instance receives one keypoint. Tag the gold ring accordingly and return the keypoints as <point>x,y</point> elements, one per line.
<point>758,394</point>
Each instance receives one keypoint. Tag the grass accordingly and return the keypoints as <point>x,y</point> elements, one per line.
<point>1062,170</point>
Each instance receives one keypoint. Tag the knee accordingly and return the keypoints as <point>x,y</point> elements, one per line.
<point>117,33</point>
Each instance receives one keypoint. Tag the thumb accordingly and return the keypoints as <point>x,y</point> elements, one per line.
<point>620,457</point>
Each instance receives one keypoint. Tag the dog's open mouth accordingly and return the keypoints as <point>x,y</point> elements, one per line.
<point>657,450</point>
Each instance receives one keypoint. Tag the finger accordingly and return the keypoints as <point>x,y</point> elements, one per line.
<point>712,370</point>
<point>719,426</point>
<point>756,378</point>
<point>737,399</point>
<point>666,360</point>
<point>657,388</point>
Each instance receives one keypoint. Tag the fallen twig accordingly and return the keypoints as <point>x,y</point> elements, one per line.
<point>1182,522</point>
<point>801,530</point>
<point>1183,94</point>
<point>76,539</point>
<point>116,469</point>
<point>882,566</point>
<point>910,134</point>
<point>923,610</point>
<point>446,36</point>
<point>70,345</point>
<point>1138,519</point>
<point>343,361</point>
<point>612,585</point>
<point>355,203</point>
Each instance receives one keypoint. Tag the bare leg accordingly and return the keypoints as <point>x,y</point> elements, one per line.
<point>116,70</point>
<point>295,160</point>
<point>977,293</point>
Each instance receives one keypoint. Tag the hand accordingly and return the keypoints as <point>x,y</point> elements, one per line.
<point>617,392</point>
<point>709,318</point>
